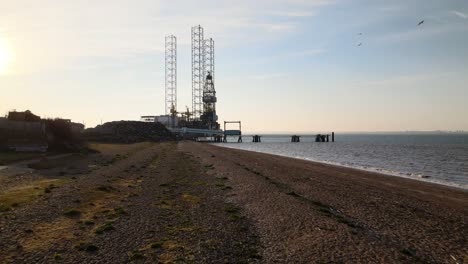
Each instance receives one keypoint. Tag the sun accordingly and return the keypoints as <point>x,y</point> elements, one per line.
<point>5,56</point>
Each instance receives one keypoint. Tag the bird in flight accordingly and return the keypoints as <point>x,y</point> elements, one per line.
<point>360,44</point>
<point>420,23</point>
<point>359,33</point>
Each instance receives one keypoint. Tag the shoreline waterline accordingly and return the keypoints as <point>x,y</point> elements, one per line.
<point>380,171</point>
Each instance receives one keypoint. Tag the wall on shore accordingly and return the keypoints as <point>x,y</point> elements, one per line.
<point>21,130</point>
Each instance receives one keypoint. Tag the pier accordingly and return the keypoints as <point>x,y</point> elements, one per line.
<point>233,132</point>
<point>256,139</point>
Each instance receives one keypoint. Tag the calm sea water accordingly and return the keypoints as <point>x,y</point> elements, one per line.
<point>438,158</point>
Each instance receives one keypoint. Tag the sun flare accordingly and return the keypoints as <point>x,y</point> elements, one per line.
<point>5,56</point>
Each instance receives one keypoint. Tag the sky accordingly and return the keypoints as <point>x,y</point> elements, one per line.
<point>281,66</point>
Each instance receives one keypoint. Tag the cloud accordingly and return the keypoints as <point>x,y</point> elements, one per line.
<point>294,14</point>
<point>460,14</point>
<point>52,34</point>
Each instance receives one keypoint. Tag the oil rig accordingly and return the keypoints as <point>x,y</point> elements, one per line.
<point>202,120</point>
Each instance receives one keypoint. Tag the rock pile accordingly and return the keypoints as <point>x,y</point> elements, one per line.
<point>128,132</point>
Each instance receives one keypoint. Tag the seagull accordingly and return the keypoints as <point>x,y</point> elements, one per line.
<point>360,44</point>
<point>420,23</point>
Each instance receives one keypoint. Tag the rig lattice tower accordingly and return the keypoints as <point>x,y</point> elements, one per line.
<point>209,92</point>
<point>198,66</point>
<point>171,74</point>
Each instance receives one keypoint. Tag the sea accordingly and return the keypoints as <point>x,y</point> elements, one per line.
<point>440,158</point>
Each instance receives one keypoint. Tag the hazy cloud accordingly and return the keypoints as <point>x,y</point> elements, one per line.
<point>50,34</point>
<point>460,14</point>
<point>294,14</point>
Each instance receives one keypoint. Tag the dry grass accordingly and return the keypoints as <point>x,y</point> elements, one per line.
<point>20,195</point>
<point>48,234</point>
<point>192,199</point>
<point>94,209</point>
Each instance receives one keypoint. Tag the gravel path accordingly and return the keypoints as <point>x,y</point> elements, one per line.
<point>152,205</point>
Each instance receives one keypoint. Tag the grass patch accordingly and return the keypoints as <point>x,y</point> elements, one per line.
<point>231,209</point>
<point>156,245</point>
<point>234,212</point>
<point>293,194</point>
<point>57,256</point>
<point>88,247</point>
<point>116,213</point>
<point>409,252</point>
<point>105,188</point>
<point>345,221</point>
<point>104,228</point>
<point>225,188</point>
<point>23,194</point>
<point>118,157</point>
<point>325,210</point>
<point>72,213</point>
<point>166,204</point>
<point>89,222</point>
<point>210,166</point>
<point>120,211</point>
<point>49,188</point>
<point>171,245</point>
<point>136,255</point>
<point>252,171</point>
<point>191,198</point>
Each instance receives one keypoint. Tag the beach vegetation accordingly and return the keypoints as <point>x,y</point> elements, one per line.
<point>120,211</point>
<point>234,212</point>
<point>409,252</point>
<point>292,193</point>
<point>136,255</point>
<point>226,187</point>
<point>193,199</point>
<point>89,222</point>
<point>105,188</point>
<point>23,194</point>
<point>104,228</point>
<point>85,246</point>
<point>156,245</point>
<point>72,213</point>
